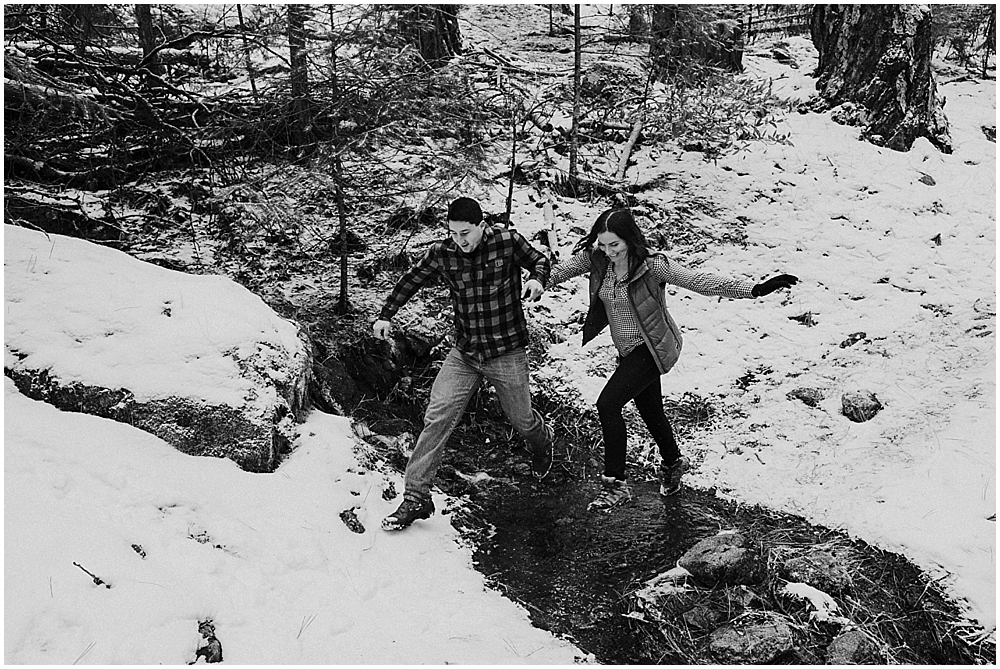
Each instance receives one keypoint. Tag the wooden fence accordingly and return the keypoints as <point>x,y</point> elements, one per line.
<point>789,24</point>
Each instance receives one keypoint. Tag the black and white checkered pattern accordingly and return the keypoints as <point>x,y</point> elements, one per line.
<point>485,288</point>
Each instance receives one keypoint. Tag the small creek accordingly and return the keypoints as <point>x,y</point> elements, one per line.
<point>573,568</point>
<point>575,571</point>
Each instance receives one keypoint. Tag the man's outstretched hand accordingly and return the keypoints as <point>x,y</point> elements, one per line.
<point>381,329</point>
<point>532,290</point>
<point>773,284</point>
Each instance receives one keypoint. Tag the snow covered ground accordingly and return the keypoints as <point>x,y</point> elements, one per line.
<point>182,539</point>
<point>268,560</point>
<point>858,226</point>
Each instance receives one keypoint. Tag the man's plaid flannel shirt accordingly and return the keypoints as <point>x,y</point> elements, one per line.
<point>485,288</point>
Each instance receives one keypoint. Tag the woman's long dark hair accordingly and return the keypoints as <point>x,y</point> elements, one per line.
<point>619,222</point>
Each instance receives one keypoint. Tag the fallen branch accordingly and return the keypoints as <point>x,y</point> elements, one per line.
<point>605,125</point>
<point>517,68</point>
<point>97,579</point>
<point>550,232</point>
<point>627,151</point>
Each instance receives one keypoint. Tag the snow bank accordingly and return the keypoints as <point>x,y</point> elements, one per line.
<point>198,360</point>
<point>265,557</point>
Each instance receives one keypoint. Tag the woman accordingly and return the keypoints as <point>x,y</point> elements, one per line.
<point>627,291</point>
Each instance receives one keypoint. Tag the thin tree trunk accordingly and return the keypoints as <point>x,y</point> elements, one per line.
<point>299,76</point>
<point>343,305</point>
<point>990,43</point>
<point>513,160</point>
<point>147,40</point>
<point>246,50</point>
<point>81,18</point>
<point>575,130</point>
<point>434,31</point>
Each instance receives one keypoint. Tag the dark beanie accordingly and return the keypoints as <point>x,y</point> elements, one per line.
<point>465,209</point>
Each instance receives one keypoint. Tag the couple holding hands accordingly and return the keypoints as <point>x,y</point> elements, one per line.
<point>482,266</point>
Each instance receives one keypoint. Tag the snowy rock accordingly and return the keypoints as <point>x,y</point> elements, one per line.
<point>821,606</point>
<point>724,558</point>
<point>850,114</point>
<point>350,519</point>
<point>212,650</point>
<point>780,54</point>
<point>757,638</point>
<point>820,569</point>
<point>860,406</point>
<point>198,361</point>
<point>809,396</point>
<point>853,339</point>
<point>853,647</point>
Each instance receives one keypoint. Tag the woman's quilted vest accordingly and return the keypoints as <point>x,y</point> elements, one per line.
<point>648,304</point>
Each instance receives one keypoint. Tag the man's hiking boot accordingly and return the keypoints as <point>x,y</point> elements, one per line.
<point>541,463</point>
<point>408,511</point>
<point>670,476</point>
<point>614,492</point>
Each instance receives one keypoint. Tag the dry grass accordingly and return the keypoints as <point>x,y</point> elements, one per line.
<point>904,612</point>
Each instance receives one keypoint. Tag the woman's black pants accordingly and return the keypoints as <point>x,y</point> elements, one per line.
<point>637,378</point>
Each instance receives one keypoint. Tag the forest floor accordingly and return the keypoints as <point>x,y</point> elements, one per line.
<point>573,570</point>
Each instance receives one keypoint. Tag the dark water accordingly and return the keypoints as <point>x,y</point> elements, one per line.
<point>575,571</point>
<point>574,568</point>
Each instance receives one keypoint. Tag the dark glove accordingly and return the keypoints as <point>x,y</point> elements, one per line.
<point>771,285</point>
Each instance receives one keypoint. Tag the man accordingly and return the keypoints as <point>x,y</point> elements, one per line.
<point>482,267</point>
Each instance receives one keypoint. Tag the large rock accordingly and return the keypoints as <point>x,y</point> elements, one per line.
<point>808,396</point>
<point>723,559</point>
<point>198,361</point>
<point>853,647</point>
<point>756,638</point>
<point>860,405</point>
<point>821,569</point>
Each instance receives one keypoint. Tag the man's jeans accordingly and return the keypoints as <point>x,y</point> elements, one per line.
<point>458,379</point>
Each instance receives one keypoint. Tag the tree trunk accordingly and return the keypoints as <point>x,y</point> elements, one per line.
<point>80,19</point>
<point>433,30</point>
<point>879,57</point>
<point>246,50</point>
<point>343,303</point>
<point>685,35</point>
<point>299,76</point>
<point>147,40</point>
<point>990,41</point>
<point>575,129</point>
<point>638,21</point>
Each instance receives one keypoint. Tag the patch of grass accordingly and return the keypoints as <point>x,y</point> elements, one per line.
<point>898,607</point>
<point>688,414</point>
